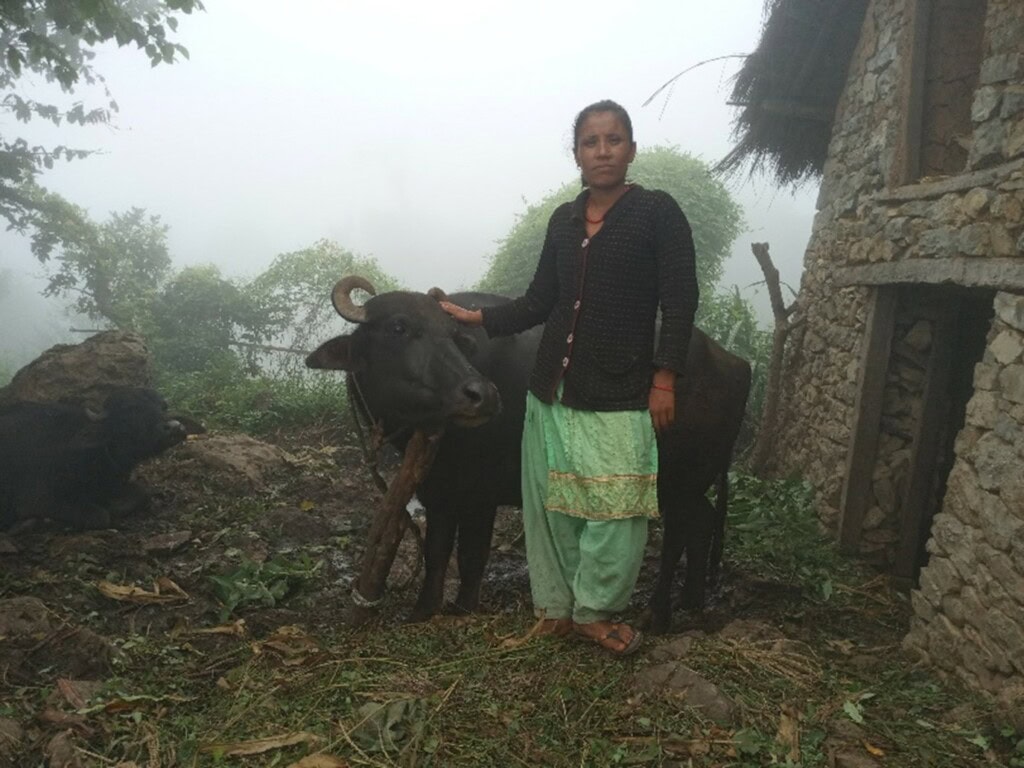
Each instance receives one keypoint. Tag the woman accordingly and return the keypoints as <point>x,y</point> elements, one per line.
<point>601,387</point>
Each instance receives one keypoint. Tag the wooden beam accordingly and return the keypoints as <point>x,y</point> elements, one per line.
<point>924,450</point>
<point>925,190</point>
<point>999,273</point>
<point>907,168</point>
<point>867,415</point>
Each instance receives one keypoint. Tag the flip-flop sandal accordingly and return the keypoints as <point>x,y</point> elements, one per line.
<point>613,634</point>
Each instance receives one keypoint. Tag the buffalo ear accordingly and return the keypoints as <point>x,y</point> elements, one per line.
<point>437,294</point>
<point>334,355</point>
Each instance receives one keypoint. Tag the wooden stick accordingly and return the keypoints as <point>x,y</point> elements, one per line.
<point>388,526</point>
<point>770,410</point>
<point>242,344</point>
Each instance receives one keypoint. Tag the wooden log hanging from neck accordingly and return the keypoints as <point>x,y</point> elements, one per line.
<point>389,524</point>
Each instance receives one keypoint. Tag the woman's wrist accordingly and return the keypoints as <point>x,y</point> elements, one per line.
<point>664,380</point>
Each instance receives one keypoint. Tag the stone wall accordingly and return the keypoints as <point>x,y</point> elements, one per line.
<point>969,612</point>
<point>970,618</point>
<point>822,357</point>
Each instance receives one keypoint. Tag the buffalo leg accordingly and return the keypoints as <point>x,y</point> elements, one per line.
<point>475,530</point>
<point>672,544</point>
<point>437,551</point>
<point>84,516</point>
<point>700,530</point>
<point>718,526</point>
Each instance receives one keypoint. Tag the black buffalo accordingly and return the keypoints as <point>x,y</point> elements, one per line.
<point>413,366</point>
<point>74,466</point>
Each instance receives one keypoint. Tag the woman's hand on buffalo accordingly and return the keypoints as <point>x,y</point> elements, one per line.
<point>662,399</point>
<point>463,315</point>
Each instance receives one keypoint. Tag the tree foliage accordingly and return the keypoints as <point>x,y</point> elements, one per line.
<point>196,318</point>
<point>113,270</point>
<point>119,272</point>
<point>294,292</point>
<point>715,218</point>
<point>56,40</point>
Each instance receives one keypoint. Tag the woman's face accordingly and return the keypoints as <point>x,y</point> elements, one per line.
<point>604,150</point>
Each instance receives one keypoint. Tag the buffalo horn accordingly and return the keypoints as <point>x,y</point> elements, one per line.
<point>342,299</point>
<point>437,294</point>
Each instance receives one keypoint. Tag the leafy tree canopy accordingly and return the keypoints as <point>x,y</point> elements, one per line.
<point>196,318</point>
<point>113,269</point>
<point>56,39</point>
<point>294,292</point>
<point>120,272</point>
<point>715,217</point>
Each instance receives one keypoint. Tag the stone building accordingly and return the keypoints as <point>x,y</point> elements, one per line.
<point>904,383</point>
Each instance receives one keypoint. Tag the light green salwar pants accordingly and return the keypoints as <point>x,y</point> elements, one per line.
<point>585,512</point>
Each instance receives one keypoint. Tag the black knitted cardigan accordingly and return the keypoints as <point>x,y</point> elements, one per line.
<point>600,297</point>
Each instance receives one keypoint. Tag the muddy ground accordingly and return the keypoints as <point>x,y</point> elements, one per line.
<point>218,619</point>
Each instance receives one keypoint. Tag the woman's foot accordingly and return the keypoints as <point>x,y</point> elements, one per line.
<point>617,639</point>
<point>554,627</point>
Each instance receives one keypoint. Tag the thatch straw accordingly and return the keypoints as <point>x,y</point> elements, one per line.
<point>790,85</point>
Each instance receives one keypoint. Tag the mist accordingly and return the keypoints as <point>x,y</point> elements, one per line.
<point>411,133</point>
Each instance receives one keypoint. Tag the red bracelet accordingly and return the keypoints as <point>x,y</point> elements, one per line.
<point>663,389</point>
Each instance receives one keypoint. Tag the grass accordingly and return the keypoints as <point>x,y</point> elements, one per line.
<point>226,398</point>
<point>474,691</point>
<point>451,693</point>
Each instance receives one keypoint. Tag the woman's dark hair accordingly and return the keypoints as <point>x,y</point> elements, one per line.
<point>607,105</point>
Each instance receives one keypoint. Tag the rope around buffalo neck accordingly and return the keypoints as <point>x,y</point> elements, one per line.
<point>362,602</point>
<point>357,404</point>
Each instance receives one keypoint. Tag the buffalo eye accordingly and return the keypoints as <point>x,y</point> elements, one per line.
<point>397,327</point>
<point>465,343</point>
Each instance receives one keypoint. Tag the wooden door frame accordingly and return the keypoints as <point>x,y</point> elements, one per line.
<point>867,415</point>
<point>924,450</point>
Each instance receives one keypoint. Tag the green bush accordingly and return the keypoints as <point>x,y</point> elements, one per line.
<point>729,319</point>
<point>224,397</point>
<point>773,530</point>
<point>715,217</point>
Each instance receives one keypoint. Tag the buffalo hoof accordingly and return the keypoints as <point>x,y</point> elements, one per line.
<point>358,616</point>
<point>462,607</point>
<point>693,601</point>
<point>420,614</point>
<point>88,517</point>
<point>658,622</point>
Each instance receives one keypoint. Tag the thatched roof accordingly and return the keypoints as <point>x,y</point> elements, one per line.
<point>788,88</point>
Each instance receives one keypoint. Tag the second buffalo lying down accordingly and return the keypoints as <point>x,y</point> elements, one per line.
<point>65,463</point>
<point>414,367</point>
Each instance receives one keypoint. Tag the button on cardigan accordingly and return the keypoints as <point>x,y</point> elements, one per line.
<point>599,297</point>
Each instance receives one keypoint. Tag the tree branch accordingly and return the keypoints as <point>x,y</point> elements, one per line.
<point>690,69</point>
<point>783,327</point>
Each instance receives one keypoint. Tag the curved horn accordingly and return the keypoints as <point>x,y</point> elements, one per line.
<point>342,300</point>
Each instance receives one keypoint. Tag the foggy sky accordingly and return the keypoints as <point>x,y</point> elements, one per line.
<point>412,132</point>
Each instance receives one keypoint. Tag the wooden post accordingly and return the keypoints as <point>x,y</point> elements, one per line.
<point>925,447</point>
<point>388,526</point>
<point>867,415</point>
<point>773,388</point>
<point>907,165</point>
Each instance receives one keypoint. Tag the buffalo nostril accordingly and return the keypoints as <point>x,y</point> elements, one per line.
<point>474,392</point>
